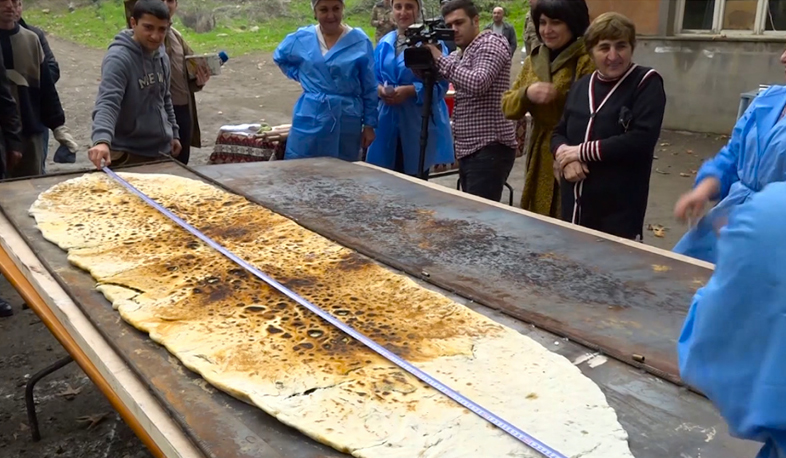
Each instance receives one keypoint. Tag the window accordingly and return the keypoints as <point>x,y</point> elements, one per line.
<point>732,16</point>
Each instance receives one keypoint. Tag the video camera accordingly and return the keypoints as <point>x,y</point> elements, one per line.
<point>432,31</point>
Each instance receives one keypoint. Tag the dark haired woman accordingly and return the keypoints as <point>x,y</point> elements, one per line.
<point>610,127</point>
<point>542,88</point>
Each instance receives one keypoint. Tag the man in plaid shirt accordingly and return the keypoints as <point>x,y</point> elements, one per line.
<point>485,142</point>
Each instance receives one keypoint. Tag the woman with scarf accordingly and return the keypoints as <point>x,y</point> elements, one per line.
<point>397,143</point>
<point>608,132</point>
<point>542,88</point>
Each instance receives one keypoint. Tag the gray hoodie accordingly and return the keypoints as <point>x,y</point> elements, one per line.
<point>133,111</point>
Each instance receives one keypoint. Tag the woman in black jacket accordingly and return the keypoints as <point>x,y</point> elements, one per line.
<point>610,125</point>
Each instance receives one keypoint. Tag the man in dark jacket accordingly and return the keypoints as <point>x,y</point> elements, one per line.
<point>51,62</point>
<point>503,28</point>
<point>10,142</point>
<point>32,86</point>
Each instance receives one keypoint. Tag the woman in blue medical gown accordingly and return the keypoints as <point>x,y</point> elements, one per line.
<point>337,112</point>
<point>754,157</point>
<point>733,344</point>
<point>397,146</point>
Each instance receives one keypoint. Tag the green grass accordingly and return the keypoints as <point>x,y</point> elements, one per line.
<point>96,26</point>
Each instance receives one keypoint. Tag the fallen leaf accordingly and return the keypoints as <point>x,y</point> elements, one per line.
<point>665,144</point>
<point>655,157</point>
<point>657,229</point>
<point>92,420</point>
<point>690,151</point>
<point>683,174</point>
<point>70,393</point>
<point>661,171</point>
<point>660,268</point>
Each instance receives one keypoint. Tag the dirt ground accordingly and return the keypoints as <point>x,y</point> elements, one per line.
<point>250,89</point>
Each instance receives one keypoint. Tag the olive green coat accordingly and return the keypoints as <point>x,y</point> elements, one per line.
<point>541,189</point>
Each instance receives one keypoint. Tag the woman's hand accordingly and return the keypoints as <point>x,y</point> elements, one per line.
<point>541,93</point>
<point>399,95</point>
<point>557,170</point>
<point>368,137</point>
<point>566,155</point>
<point>691,205</point>
<point>575,171</point>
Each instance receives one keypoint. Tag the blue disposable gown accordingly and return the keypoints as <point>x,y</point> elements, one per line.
<point>754,157</point>
<point>404,121</point>
<point>339,93</point>
<point>733,341</point>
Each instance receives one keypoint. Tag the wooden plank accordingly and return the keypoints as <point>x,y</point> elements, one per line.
<point>136,398</point>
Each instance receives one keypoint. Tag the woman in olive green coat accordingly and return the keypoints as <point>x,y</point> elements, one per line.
<point>541,90</point>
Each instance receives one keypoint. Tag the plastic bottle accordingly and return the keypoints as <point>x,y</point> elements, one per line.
<point>223,56</point>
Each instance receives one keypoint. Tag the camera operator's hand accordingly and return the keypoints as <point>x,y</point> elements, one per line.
<point>436,51</point>
<point>541,93</point>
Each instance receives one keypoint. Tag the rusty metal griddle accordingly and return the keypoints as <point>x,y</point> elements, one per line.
<point>627,303</point>
<point>661,419</point>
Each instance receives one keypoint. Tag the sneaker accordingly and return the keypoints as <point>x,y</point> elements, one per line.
<point>5,309</point>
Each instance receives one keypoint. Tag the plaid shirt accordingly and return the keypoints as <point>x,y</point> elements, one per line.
<point>480,74</point>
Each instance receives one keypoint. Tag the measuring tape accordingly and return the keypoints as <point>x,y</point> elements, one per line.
<point>533,443</point>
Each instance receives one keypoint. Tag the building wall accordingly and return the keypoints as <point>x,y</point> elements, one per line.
<point>644,13</point>
<point>704,78</point>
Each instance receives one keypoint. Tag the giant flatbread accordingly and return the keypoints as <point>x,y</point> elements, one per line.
<point>252,342</point>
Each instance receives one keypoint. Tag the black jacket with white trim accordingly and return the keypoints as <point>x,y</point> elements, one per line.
<point>617,144</point>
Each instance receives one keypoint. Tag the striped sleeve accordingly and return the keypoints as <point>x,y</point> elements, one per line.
<point>590,152</point>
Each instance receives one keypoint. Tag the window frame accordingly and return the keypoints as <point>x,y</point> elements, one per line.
<point>717,22</point>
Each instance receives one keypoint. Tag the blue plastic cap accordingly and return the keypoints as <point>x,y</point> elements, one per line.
<point>223,56</point>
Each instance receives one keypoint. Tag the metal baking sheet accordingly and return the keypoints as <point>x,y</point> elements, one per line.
<point>606,295</point>
<point>661,419</point>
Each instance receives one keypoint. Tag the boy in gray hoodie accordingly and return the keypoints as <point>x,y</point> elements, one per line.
<point>133,119</point>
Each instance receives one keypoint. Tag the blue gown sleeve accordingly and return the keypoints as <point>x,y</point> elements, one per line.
<point>286,59</point>
<point>724,165</point>
<point>368,82</point>
<point>440,89</point>
<point>731,347</point>
<point>378,62</point>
